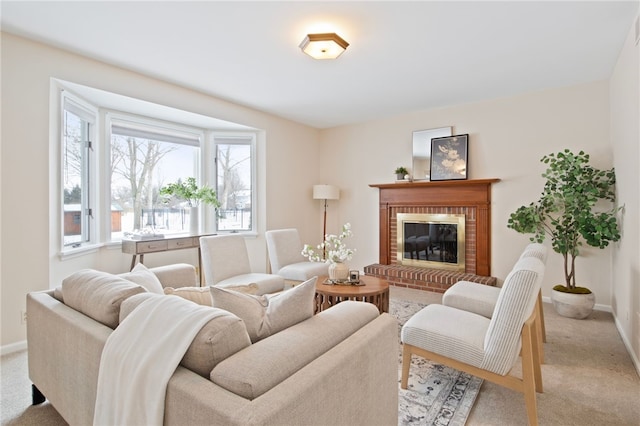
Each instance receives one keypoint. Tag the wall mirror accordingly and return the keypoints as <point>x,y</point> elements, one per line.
<point>422,150</point>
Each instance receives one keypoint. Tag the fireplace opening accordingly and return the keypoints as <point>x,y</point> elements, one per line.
<point>431,240</point>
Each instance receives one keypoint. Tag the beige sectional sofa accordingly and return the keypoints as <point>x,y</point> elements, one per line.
<point>339,367</point>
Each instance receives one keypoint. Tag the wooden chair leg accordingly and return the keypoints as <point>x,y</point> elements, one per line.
<point>539,332</point>
<point>531,379</point>
<point>541,318</point>
<point>406,363</point>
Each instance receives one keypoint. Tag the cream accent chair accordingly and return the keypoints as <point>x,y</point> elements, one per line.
<point>225,263</point>
<point>481,299</point>
<point>285,255</point>
<point>486,348</point>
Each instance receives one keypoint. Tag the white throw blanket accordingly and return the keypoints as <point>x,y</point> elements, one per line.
<point>140,357</point>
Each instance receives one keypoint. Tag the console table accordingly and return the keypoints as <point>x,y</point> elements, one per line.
<point>168,243</point>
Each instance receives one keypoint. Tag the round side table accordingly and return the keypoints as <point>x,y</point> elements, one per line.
<point>375,290</point>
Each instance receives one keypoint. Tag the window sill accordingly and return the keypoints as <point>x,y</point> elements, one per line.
<point>79,251</point>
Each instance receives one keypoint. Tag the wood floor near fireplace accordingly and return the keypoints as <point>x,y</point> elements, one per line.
<point>436,280</point>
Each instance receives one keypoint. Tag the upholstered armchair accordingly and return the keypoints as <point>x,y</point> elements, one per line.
<point>481,299</point>
<point>486,348</point>
<point>285,255</point>
<point>225,263</point>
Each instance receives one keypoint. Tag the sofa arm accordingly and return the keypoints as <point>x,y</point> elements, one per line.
<point>176,275</point>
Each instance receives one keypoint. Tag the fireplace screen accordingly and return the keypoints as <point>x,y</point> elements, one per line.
<point>431,240</point>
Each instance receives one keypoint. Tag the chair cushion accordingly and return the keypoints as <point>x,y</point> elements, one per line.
<point>221,337</point>
<point>144,277</point>
<point>472,297</point>
<point>275,359</point>
<point>448,331</point>
<point>284,248</point>
<point>302,271</point>
<point>267,283</point>
<point>515,303</point>
<point>266,315</point>
<point>98,294</point>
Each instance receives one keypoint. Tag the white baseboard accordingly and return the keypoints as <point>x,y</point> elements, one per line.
<point>627,344</point>
<point>13,347</point>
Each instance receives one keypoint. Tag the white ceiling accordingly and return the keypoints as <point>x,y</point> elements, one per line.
<point>403,56</point>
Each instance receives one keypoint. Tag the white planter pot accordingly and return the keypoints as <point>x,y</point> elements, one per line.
<point>578,306</point>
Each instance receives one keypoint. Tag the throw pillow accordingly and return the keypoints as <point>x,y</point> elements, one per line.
<point>199,295</point>
<point>266,315</point>
<point>98,294</point>
<point>141,275</point>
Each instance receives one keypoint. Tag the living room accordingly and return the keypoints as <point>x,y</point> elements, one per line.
<point>508,134</point>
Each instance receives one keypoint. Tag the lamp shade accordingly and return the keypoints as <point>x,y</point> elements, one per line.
<point>323,46</point>
<point>326,192</point>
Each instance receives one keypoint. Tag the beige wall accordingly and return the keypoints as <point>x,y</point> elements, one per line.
<point>507,138</point>
<point>625,137</point>
<point>28,262</point>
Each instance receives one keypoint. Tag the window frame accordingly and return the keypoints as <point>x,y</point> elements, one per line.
<point>161,127</point>
<point>251,138</point>
<point>89,114</point>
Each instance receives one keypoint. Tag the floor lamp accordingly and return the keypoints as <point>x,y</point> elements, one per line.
<point>325,192</point>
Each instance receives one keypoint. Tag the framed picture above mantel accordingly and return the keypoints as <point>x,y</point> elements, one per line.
<point>449,157</point>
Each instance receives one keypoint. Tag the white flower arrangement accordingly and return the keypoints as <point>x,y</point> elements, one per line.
<point>334,247</point>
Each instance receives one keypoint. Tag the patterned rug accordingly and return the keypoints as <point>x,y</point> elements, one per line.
<point>436,395</point>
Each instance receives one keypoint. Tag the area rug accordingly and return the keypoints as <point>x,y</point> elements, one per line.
<point>436,395</point>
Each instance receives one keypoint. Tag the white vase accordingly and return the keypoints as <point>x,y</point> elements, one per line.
<point>193,220</point>
<point>338,271</point>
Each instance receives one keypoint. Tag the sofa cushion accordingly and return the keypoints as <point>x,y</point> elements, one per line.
<point>97,294</point>
<point>202,295</point>
<point>199,295</point>
<point>144,277</point>
<point>267,314</point>
<point>220,338</point>
<point>275,359</point>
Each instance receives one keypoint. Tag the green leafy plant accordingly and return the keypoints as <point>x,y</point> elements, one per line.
<point>191,193</point>
<point>568,210</point>
<point>401,171</point>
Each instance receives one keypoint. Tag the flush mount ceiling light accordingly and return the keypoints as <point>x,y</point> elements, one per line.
<point>323,46</point>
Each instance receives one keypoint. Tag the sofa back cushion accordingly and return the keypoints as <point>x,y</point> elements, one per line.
<point>221,337</point>
<point>98,294</point>
<point>265,364</point>
<point>199,295</point>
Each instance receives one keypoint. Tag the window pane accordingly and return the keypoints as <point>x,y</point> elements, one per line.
<point>74,170</point>
<point>234,185</point>
<point>139,168</point>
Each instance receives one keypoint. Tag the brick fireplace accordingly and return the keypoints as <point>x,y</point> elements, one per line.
<point>471,198</point>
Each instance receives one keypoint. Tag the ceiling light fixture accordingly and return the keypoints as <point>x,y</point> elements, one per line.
<point>323,46</point>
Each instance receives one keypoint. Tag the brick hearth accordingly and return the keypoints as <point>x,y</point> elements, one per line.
<point>436,280</point>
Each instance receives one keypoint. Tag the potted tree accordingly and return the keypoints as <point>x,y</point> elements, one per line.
<point>401,172</point>
<point>570,211</point>
<point>193,195</point>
